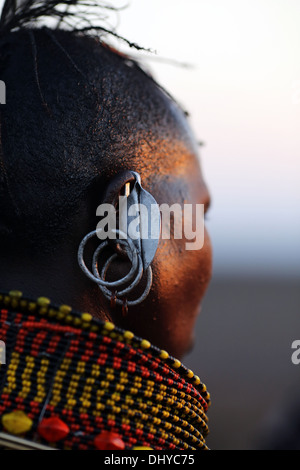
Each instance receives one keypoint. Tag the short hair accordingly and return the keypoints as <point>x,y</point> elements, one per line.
<point>72,104</point>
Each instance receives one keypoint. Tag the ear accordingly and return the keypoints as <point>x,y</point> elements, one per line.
<point>125,189</point>
<point>139,211</point>
<point>116,187</point>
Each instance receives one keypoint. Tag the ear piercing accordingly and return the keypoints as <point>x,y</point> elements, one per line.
<point>139,250</point>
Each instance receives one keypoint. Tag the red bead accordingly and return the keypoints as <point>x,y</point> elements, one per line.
<point>109,441</point>
<point>53,429</point>
<point>82,447</point>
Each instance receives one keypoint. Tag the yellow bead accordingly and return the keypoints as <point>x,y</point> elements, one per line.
<point>197,380</point>
<point>145,344</point>
<point>142,448</point>
<point>16,294</point>
<point>65,309</point>
<point>164,355</point>
<point>176,364</point>
<point>31,306</point>
<point>43,302</point>
<point>86,317</point>
<point>16,423</point>
<point>109,326</point>
<point>128,335</point>
<point>190,374</point>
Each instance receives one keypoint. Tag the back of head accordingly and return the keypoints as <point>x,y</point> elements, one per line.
<point>76,111</point>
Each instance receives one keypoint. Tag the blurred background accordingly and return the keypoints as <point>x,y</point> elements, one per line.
<point>242,89</point>
<point>243,93</point>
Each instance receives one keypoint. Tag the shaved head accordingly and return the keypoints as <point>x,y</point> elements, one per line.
<point>77,114</point>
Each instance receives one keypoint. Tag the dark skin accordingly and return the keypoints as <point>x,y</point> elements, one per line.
<point>147,133</point>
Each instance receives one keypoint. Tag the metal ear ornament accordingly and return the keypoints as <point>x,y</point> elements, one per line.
<point>133,235</point>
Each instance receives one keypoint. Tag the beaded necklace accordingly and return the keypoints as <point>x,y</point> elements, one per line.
<point>74,382</point>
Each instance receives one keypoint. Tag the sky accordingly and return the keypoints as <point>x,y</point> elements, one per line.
<point>243,94</point>
<point>242,90</point>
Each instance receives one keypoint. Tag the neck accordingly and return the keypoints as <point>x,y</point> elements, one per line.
<point>54,275</point>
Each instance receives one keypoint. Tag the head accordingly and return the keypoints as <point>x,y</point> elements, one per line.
<point>77,114</point>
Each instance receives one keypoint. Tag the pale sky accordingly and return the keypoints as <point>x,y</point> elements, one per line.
<point>244,98</point>
<point>244,103</point>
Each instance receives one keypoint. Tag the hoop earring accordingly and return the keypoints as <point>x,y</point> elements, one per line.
<point>140,251</point>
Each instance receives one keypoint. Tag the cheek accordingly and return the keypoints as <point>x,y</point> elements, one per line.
<point>183,279</point>
<point>185,275</point>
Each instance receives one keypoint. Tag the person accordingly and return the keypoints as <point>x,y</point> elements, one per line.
<point>82,122</point>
